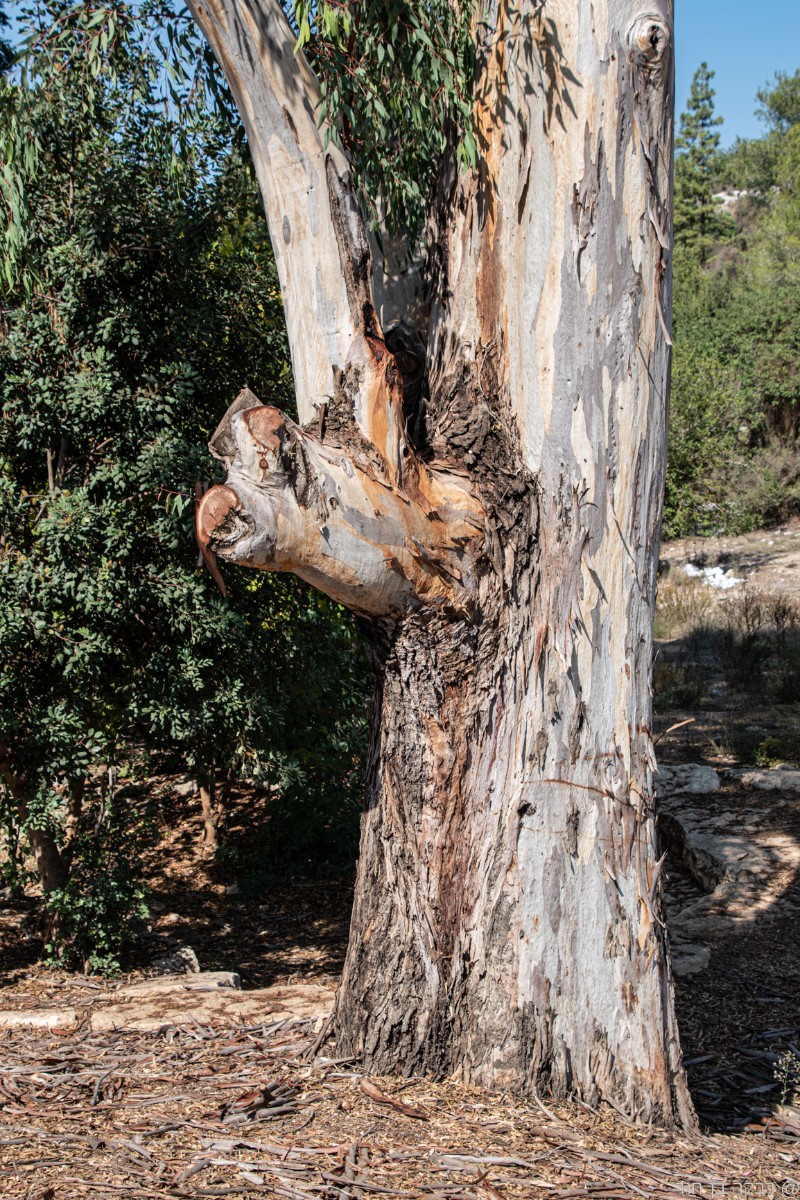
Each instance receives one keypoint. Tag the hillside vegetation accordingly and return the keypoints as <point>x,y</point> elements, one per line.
<point>734,460</point>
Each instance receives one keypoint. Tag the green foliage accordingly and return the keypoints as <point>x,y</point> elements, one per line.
<point>698,223</point>
<point>147,65</point>
<point>6,53</point>
<point>734,460</point>
<point>396,85</point>
<point>14,873</point>
<point>140,298</point>
<point>779,104</point>
<point>93,918</point>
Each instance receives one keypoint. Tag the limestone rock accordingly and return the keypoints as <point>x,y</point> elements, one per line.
<point>213,1006</point>
<point>200,981</point>
<point>783,778</point>
<point>742,872</point>
<point>210,998</point>
<point>689,958</point>
<point>695,779</point>
<point>187,787</point>
<point>181,960</point>
<point>39,1018</point>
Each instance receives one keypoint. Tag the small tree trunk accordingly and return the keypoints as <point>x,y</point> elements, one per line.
<point>208,805</point>
<point>77,791</point>
<point>50,864</point>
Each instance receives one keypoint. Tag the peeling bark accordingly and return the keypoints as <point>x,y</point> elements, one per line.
<point>487,496</point>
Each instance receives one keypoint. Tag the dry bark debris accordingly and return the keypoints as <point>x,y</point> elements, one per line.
<point>148,1114</point>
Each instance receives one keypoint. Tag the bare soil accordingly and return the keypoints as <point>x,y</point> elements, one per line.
<point>768,560</point>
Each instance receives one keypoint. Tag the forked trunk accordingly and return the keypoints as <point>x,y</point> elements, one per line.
<point>483,487</point>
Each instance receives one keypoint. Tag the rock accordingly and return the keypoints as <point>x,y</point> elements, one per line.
<point>179,985</point>
<point>182,960</point>
<point>187,787</point>
<point>689,958</point>
<point>695,779</point>
<point>216,1005</point>
<point>715,577</point>
<point>39,1018</point>
<point>232,890</point>
<point>210,998</point>
<point>744,873</point>
<point>783,778</point>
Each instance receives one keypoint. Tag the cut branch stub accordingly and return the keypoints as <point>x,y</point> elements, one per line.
<point>344,521</point>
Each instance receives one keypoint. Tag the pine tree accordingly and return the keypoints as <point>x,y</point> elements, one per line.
<point>697,221</point>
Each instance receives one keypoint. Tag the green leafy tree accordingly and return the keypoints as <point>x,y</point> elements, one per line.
<point>698,224</point>
<point>6,53</point>
<point>753,164</point>
<point>735,410</point>
<point>410,66</point>
<point>140,296</point>
<point>779,104</point>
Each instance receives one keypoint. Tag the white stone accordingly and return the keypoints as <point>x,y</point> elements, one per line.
<point>782,778</point>
<point>152,1004</point>
<point>201,981</point>
<point>187,787</point>
<point>694,779</point>
<point>39,1018</point>
<point>714,576</point>
<point>213,1006</point>
<point>688,958</point>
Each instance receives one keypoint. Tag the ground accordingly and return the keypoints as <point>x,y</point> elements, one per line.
<point>227,1104</point>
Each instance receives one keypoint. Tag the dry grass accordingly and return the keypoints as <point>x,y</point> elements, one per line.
<point>683,606</point>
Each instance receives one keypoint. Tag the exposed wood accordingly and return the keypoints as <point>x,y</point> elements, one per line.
<point>379,532</point>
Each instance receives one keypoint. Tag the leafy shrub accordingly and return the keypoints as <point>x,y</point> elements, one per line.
<point>92,920</point>
<point>677,685</point>
<point>131,318</point>
<point>741,642</point>
<point>784,679</point>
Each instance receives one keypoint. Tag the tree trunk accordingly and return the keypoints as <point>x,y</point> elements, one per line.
<point>51,866</point>
<point>483,487</point>
<point>208,804</point>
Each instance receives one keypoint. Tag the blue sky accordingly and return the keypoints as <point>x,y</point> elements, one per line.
<point>745,42</point>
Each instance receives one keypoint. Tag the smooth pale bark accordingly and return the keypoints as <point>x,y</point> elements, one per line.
<point>494,517</point>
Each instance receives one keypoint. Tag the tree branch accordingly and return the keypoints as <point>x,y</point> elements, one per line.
<point>363,521</point>
<point>277,95</point>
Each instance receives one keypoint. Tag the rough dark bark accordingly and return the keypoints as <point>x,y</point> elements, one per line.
<point>484,490</point>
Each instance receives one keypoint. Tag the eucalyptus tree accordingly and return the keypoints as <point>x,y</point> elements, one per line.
<point>476,471</point>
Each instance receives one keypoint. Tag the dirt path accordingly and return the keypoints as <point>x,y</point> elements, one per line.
<point>767,560</point>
